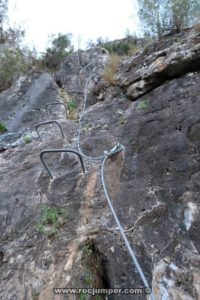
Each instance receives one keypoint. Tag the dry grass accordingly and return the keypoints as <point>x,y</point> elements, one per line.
<point>134,49</point>
<point>111,68</point>
<point>70,103</point>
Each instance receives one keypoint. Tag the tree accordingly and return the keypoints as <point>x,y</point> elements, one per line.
<point>160,16</point>
<point>196,11</point>
<point>14,36</point>
<point>182,13</point>
<point>60,48</point>
<point>153,16</point>
<point>3,16</point>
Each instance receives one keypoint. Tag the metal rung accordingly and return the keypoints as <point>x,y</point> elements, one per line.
<point>58,151</point>
<point>48,122</point>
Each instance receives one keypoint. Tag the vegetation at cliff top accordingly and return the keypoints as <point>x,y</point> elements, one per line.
<point>158,17</point>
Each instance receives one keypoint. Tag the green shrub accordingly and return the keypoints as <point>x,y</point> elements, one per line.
<point>12,65</point>
<point>83,296</point>
<point>50,222</point>
<point>120,48</point>
<point>2,128</point>
<point>98,297</point>
<point>27,139</point>
<point>143,105</point>
<point>86,250</point>
<point>60,48</point>
<point>71,105</point>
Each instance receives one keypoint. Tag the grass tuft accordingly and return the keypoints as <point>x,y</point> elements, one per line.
<point>51,219</point>
<point>111,69</point>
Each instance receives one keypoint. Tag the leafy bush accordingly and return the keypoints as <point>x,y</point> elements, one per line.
<point>12,65</point>
<point>123,47</point>
<point>119,48</point>
<point>2,128</point>
<point>160,17</point>
<point>143,105</point>
<point>60,48</point>
<point>27,139</point>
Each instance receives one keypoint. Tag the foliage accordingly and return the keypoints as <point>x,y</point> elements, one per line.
<point>161,16</point>
<point>86,250</point>
<point>12,65</point>
<point>33,62</point>
<point>50,219</point>
<point>14,36</point>
<point>83,296</point>
<point>11,35</point>
<point>153,16</point>
<point>2,128</point>
<point>60,48</point>
<point>27,139</point>
<point>98,297</point>
<point>120,47</point>
<point>143,105</point>
<point>71,105</point>
<point>111,68</point>
<point>3,15</point>
<point>87,277</point>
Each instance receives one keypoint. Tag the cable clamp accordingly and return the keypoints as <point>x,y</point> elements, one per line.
<point>114,150</point>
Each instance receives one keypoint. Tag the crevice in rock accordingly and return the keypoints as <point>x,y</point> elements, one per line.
<point>59,83</point>
<point>1,257</point>
<point>94,267</point>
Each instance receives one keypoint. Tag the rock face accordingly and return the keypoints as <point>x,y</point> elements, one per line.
<point>76,70</point>
<point>153,184</point>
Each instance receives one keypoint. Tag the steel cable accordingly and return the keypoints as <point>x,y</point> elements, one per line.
<point>103,158</point>
<point>137,265</point>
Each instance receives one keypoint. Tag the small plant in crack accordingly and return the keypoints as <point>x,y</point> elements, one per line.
<point>72,109</point>
<point>51,219</point>
<point>143,105</point>
<point>71,105</point>
<point>87,127</point>
<point>3,128</point>
<point>35,296</point>
<point>87,278</point>
<point>98,297</point>
<point>83,296</point>
<point>86,250</point>
<point>27,139</point>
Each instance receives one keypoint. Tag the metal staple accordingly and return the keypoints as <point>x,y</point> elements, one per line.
<point>48,122</point>
<point>59,151</point>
